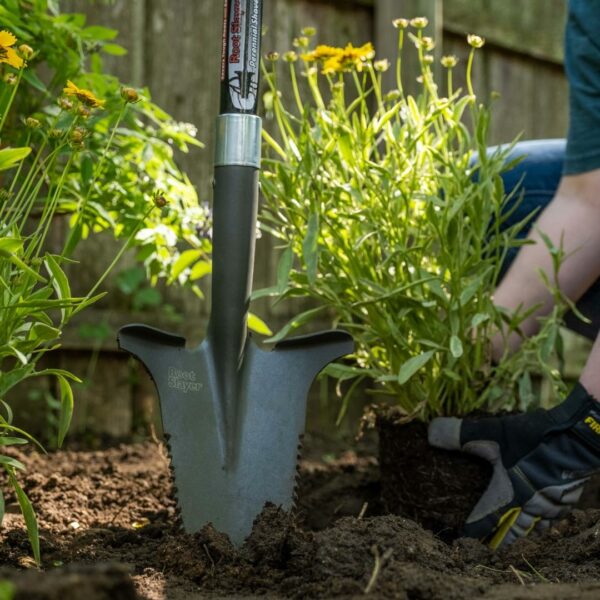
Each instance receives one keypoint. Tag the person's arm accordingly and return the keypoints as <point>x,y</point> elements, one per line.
<point>573,220</point>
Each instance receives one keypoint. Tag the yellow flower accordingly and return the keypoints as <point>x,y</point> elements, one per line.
<point>340,59</point>
<point>322,52</point>
<point>84,96</point>
<point>332,65</point>
<point>7,54</point>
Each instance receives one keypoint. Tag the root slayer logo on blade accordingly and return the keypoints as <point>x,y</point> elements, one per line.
<point>184,381</point>
<point>243,59</point>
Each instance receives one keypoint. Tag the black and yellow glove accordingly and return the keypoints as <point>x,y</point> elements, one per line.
<point>541,462</point>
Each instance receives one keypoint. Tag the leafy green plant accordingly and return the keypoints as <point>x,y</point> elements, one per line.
<point>106,186</point>
<point>392,217</point>
<point>36,302</point>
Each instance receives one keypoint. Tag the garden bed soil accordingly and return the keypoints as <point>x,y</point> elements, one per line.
<point>109,531</point>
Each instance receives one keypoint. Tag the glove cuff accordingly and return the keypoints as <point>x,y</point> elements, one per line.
<point>588,428</point>
<point>577,403</point>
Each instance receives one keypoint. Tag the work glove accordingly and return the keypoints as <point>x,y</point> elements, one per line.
<point>541,462</point>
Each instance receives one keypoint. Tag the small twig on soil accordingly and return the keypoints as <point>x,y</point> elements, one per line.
<point>534,570</point>
<point>517,574</point>
<point>153,435</point>
<point>209,556</point>
<point>379,564</point>
<point>123,507</point>
<point>363,510</point>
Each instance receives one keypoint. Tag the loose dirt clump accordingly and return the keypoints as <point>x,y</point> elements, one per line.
<point>109,529</point>
<point>435,487</point>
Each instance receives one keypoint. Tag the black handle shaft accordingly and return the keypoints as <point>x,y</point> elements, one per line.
<point>240,60</point>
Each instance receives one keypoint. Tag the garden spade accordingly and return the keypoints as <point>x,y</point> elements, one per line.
<point>232,412</point>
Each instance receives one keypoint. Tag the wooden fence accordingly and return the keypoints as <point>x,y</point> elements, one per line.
<point>173,49</point>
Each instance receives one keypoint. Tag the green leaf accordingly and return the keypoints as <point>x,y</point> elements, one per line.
<point>9,461</point>
<point>27,269</point>
<point>147,298</point>
<point>10,157</point>
<point>129,280</point>
<point>87,170</point>
<point>412,365</point>
<point>34,81</point>
<point>268,292</point>
<point>343,372</point>
<point>456,347</point>
<point>97,32</point>
<point>7,440</point>
<point>201,269</point>
<point>258,325</point>
<point>284,266</point>
<point>310,247</point>
<point>526,396</point>
<point>184,260</point>
<point>9,246</point>
<point>294,323</point>
<point>60,283</point>
<point>16,352</point>
<point>478,319</point>
<point>66,408</point>
<point>29,516</point>
<point>114,50</point>
<point>42,331</point>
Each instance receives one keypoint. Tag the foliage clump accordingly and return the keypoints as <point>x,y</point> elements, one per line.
<point>391,213</point>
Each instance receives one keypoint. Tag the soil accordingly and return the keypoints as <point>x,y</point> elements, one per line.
<point>109,531</point>
<point>434,487</point>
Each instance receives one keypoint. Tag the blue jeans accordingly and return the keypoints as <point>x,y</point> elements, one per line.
<point>538,175</point>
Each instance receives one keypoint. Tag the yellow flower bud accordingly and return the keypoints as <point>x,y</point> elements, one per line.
<point>419,22</point>
<point>272,56</point>
<point>32,123</point>
<point>65,103</point>
<point>475,41</point>
<point>84,111</point>
<point>78,135</point>
<point>449,61</point>
<point>309,31</point>
<point>400,23</point>
<point>381,65</point>
<point>428,43</point>
<point>26,51</point>
<point>10,79</point>
<point>290,56</point>
<point>159,200</point>
<point>301,42</point>
<point>130,95</point>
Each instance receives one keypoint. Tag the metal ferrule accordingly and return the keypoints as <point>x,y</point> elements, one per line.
<point>238,140</point>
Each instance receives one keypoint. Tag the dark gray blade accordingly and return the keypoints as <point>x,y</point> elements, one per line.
<point>270,418</point>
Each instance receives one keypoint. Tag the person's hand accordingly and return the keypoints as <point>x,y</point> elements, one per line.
<point>541,461</point>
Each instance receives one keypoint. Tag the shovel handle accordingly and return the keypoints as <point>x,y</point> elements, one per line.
<point>240,58</point>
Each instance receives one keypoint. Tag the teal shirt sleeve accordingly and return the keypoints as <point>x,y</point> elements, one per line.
<point>582,64</point>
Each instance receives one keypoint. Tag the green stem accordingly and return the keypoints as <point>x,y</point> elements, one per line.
<point>469,72</point>
<point>399,62</point>
<point>11,99</point>
<point>115,260</point>
<point>295,88</point>
<point>70,243</point>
